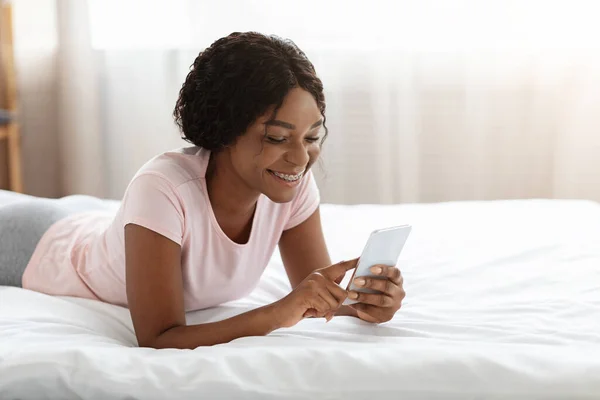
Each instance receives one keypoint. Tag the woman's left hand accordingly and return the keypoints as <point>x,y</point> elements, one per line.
<point>379,307</point>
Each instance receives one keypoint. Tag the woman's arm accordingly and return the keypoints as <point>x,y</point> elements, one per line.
<point>155,296</point>
<point>303,250</point>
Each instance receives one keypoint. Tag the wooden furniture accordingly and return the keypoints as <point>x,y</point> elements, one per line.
<point>9,129</point>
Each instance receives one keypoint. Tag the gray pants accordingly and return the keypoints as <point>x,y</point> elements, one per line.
<point>22,224</point>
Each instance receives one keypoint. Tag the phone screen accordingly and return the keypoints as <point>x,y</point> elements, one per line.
<point>383,247</point>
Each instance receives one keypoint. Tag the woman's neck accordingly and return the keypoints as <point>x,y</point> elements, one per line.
<point>228,194</point>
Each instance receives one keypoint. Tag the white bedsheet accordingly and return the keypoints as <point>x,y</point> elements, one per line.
<point>503,301</point>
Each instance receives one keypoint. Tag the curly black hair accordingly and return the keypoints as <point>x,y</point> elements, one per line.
<point>235,81</point>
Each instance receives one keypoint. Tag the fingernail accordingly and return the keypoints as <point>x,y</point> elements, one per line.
<point>376,270</point>
<point>352,295</point>
<point>359,281</point>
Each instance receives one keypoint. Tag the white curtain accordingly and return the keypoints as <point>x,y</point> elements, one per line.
<point>427,100</point>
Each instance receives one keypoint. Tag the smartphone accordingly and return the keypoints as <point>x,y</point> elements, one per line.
<point>383,247</point>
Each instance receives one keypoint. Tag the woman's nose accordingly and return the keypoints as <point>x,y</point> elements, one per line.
<point>298,155</point>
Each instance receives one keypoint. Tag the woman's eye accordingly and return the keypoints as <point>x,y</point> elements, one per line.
<point>275,140</point>
<point>312,139</point>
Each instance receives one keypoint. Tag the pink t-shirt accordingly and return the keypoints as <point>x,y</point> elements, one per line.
<point>83,255</point>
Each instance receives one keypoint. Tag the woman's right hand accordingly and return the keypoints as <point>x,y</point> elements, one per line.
<point>318,295</point>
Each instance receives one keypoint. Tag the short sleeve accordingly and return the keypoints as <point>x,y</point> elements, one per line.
<point>305,203</point>
<point>152,202</point>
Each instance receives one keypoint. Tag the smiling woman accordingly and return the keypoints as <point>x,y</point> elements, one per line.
<point>197,226</point>
<point>287,146</point>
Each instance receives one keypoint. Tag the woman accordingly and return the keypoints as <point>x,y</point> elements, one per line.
<point>197,226</point>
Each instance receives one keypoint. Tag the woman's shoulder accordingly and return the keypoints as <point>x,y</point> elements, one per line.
<point>177,167</point>
<point>163,192</point>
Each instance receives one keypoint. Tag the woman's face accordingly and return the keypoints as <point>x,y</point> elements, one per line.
<point>274,164</point>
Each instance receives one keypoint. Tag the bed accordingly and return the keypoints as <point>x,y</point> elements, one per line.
<point>503,301</point>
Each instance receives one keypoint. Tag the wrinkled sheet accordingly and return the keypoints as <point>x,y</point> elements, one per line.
<point>503,301</point>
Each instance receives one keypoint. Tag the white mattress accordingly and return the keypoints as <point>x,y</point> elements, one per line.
<point>503,301</point>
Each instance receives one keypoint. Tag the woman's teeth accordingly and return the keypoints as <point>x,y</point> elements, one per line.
<point>289,178</point>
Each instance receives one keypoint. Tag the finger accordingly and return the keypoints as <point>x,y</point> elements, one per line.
<point>329,316</point>
<point>333,289</point>
<point>310,313</point>
<point>335,271</point>
<point>320,304</point>
<point>336,291</point>
<point>387,271</point>
<point>385,286</point>
<point>379,300</point>
<point>371,313</point>
<point>332,302</point>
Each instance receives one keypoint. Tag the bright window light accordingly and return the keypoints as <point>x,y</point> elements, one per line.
<point>420,25</point>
